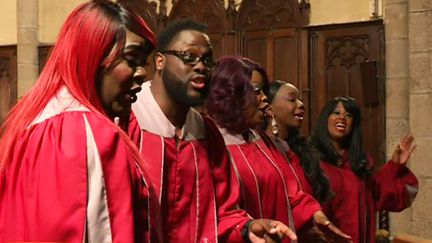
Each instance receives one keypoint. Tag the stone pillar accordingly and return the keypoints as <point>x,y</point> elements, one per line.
<point>27,44</point>
<point>397,89</point>
<point>420,69</point>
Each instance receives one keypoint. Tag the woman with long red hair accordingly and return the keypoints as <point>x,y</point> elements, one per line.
<point>68,172</point>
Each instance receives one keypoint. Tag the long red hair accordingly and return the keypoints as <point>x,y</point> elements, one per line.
<point>86,39</point>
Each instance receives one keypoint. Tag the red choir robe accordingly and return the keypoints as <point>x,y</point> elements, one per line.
<point>192,175</point>
<point>356,201</point>
<point>268,186</point>
<point>72,179</point>
<point>339,209</point>
<point>294,163</point>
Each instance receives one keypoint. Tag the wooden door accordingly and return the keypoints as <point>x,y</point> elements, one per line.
<point>348,59</point>
<point>8,79</point>
<point>275,50</point>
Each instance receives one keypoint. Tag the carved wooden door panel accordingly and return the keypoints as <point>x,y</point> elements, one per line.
<point>268,34</point>
<point>280,52</point>
<point>8,80</point>
<point>349,60</point>
<point>276,50</point>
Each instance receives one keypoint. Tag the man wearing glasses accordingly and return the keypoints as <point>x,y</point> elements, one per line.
<point>186,156</point>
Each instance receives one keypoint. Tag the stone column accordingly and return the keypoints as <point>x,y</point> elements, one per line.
<point>27,44</point>
<point>397,89</point>
<point>420,69</point>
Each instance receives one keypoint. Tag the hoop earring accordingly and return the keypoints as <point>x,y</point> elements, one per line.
<point>275,129</point>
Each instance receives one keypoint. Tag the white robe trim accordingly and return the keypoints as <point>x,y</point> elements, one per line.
<point>98,223</point>
<point>232,139</point>
<point>63,101</point>
<point>151,118</point>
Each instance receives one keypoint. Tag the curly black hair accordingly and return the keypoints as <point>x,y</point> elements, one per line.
<point>170,32</point>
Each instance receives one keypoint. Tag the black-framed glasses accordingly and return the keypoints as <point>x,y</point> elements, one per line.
<point>192,59</point>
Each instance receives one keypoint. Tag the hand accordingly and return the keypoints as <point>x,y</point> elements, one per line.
<point>269,231</point>
<point>404,150</point>
<point>311,234</point>
<point>331,232</point>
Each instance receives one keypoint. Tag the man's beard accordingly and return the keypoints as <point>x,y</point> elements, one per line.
<point>177,89</point>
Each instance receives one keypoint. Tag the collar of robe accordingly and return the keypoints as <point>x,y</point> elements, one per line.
<point>152,119</point>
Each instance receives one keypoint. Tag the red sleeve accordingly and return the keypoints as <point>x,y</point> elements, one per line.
<point>303,207</point>
<point>231,219</point>
<point>394,187</point>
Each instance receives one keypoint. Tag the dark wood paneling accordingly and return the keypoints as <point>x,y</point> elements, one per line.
<point>303,79</point>
<point>284,55</point>
<point>210,12</point>
<point>8,79</point>
<point>44,52</point>
<point>267,32</point>
<point>218,45</point>
<point>267,15</point>
<point>254,45</point>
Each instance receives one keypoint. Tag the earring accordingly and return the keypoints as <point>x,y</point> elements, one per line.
<point>275,129</point>
<point>117,120</point>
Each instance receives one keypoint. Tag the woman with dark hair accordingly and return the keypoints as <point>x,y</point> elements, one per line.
<point>338,138</point>
<point>288,110</point>
<point>68,172</point>
<point>238,105</point>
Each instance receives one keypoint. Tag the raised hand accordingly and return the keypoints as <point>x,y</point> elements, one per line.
<point>269,231</point>
<point>404,149</point>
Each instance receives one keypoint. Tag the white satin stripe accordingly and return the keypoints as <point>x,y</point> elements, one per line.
<point>63,101</point>
<point>98,223</point>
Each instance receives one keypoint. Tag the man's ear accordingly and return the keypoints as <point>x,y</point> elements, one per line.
<point>159,61</point>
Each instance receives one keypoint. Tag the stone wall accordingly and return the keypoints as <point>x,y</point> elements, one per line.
<point>420,69</point>
<point>408,26</point>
